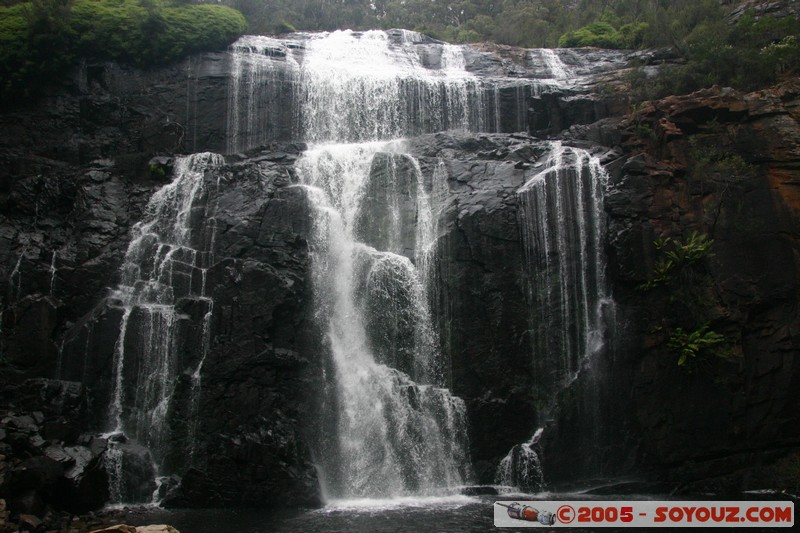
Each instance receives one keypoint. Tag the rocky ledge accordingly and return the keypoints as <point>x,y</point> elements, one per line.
<point>725,165</point>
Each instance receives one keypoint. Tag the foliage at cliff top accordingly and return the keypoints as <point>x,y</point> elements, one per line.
<point>749,53</point>
<point>41,38</point>
<point>527,23</point>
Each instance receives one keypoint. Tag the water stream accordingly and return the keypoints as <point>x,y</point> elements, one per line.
<point>163,269</point>
<point>398,431</point>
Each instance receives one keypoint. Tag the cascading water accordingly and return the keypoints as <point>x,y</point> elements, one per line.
<point>164,268</point>
<point>395,429</point>
<point>53,270</point>
<point>522,468</point>
<point>398,430</point>
<point>554,63</point>
<point>365,87</point>
<point>352,87</point>
<point>561,216</point>
<point>263,71</point>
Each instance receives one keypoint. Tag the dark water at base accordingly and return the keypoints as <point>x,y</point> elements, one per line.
<point>412,515</point>
<point>457,514</point>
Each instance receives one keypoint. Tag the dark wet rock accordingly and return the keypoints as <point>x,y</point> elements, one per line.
<point>71,190</point>
<point>136,463</point>
<point>777,8</point>
<point>26,501</point>
<point>85,483</point>
<point>479,490</point>
<point>37,473</point>
<point>722,163</point>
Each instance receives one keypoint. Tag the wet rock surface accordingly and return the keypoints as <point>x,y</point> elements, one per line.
<point>720,163</point>
<point>71,190</point>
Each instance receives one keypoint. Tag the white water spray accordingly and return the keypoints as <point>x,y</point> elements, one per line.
<point>163,260</point>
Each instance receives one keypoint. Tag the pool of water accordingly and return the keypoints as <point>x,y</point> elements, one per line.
<point>445,514</point>
<point>413,515</point>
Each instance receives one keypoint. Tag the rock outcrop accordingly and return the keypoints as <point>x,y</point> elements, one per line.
<point>722,164</point>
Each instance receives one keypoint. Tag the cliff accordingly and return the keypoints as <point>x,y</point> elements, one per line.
<point>722,164</point>
<point>80,167</point>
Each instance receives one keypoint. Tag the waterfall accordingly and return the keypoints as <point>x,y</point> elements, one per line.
<point>264,71</point>
<point>350,86</point>
<point>15,287</point>
<point>561,216</point>
<point>398,430</point>
<point>558,70</point>
<point>522,468</point>
<point>53,270</point>
<point>365,87</point>
<point>392,427</point>
<point>164,267</point>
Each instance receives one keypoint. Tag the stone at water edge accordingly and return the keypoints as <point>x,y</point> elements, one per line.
<point>119,528</point>
<point>160,528</point>
<point>28,521</point>
<point>122,528</point>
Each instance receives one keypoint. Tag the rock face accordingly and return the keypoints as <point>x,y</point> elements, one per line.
<point>45,459</point>
<point>244,411</point>
<point>777,9</point>
<point>240,458</point>
<point>723,164</point>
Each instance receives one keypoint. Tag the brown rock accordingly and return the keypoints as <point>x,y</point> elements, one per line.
<point>122,528</point>
<point>160,528</point>
<point>118,528</point>
<point>29,521</point>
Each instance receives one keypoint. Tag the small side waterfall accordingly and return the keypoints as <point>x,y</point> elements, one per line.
<point>521,468</point>
<point>561,216</point>
<point>264,77</point>
<point>558,69</point>
<point>163,271</point>
<point>53,270</point>
<point>562,221</point>
<point>15,278</point>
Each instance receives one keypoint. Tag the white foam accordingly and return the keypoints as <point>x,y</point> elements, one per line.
<point>385,504</point>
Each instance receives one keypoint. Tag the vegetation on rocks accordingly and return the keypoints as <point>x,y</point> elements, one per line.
<point>748,53</point>
<point>683,282</point>
<point>41,38</point>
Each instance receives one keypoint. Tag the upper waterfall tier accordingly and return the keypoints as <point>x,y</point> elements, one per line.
<point>350,86</point>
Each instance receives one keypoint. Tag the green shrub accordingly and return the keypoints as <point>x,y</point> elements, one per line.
<point>633,34</point>
<point>39,40</point>
<point>285,27</point>
<point>13,46</point>
<point>157,171</point>
<point>125,30</point>
<point>675,255</point>
<point>600,34</point>
<point>460,35</point>
<point>693,347</point>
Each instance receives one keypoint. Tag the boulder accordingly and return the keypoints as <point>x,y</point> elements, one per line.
<point>29,522</point>
<point>119,528</point>
<point>160,528</point>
